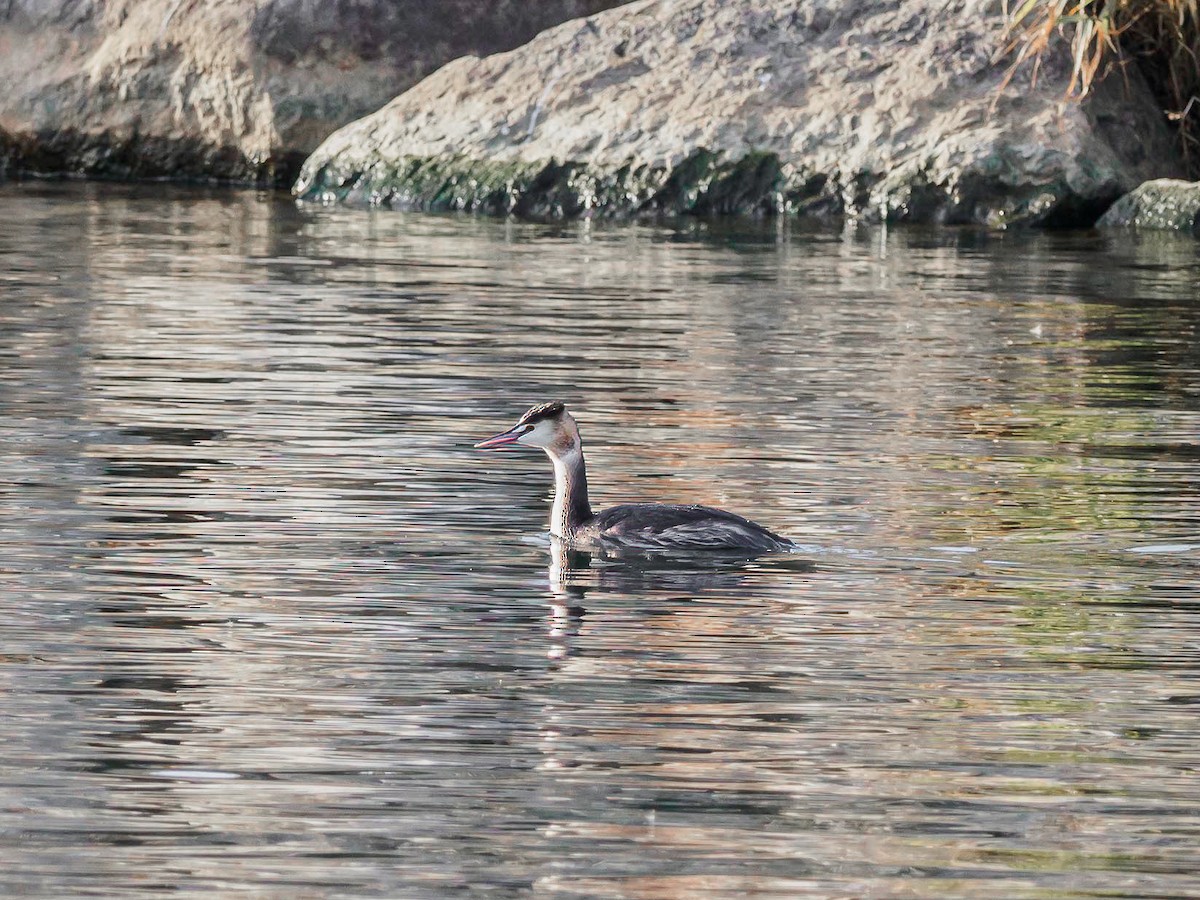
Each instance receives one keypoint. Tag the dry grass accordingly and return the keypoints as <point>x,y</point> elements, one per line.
<point>1161,36</point>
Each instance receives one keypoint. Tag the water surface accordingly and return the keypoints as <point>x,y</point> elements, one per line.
<point>272,628</point>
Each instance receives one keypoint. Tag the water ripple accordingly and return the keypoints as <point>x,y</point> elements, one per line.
<point>272,626</point>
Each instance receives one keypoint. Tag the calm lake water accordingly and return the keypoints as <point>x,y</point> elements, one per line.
<point>272,628</point>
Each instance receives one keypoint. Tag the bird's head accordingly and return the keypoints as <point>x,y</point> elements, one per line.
<point>547,426</point>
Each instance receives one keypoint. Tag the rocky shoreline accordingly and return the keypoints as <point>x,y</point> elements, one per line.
<point>892,111</point>
<point>223,90</point>
<point>865,110</point>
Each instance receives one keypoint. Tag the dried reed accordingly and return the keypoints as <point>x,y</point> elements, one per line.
<point>1161,36</point>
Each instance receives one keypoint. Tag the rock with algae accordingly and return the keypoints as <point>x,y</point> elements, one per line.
<point>1165,203</point>
<point>223,89</point>
<point>875,109</point>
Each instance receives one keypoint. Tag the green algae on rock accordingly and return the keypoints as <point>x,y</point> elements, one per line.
<point>701,184</point>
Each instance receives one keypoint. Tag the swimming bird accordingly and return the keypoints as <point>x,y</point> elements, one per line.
<point>644,526</point>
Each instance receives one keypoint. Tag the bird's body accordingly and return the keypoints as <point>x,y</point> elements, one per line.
<point>668,526</point>
<point>638,526</point>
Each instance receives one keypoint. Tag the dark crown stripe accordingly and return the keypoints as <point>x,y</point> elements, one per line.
<point>542,411</point>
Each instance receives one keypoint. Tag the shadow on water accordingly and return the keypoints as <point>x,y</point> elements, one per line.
<point>575,573</point>
<point>656,579</point>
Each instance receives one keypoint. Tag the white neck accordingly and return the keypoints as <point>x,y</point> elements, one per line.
<point>571,508</point>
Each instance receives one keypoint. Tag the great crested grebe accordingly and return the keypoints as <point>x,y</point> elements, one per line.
<point>647,526</point>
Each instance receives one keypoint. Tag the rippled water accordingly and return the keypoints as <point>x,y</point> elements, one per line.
<point>272,628</point>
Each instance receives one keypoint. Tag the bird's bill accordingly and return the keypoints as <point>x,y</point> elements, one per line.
<point>502,439</point>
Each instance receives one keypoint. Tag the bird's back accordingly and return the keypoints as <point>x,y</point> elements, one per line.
<point>673,527</point>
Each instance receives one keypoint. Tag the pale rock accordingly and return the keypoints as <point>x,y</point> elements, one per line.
<point>233,89</point>
<point>890,109</point>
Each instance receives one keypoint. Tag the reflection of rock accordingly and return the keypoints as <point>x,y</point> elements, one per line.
<point>730,106</point>
<point>1162,203</point>
<point>225,89</point>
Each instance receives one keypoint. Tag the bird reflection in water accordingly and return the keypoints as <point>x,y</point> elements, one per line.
<point>573,573</point>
